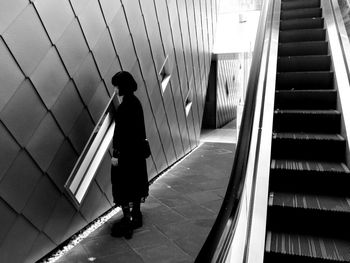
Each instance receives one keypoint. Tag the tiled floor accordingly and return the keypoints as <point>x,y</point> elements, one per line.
<point>178,214</point>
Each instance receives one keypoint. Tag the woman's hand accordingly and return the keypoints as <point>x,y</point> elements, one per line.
<point>114,161</point>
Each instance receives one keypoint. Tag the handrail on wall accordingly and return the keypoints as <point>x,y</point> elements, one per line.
<point>217,244</point>
<point>89,160</point>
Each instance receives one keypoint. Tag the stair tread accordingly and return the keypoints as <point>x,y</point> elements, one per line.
<point>308,246</point>
<point>310,201</point>
<point>317,112</point>
<point>307,136</point>
<point>304,56</point>
<point>307,165</point>
<point>297,4</point>
<point>303,48</point>
<point>301,13</point>
<point>301,43</point>
<point>302,30</point>
<point>305,72</point>
<point>302,23</point>
<point>307,91</point>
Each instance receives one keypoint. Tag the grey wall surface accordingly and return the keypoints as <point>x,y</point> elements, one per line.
<point>227,80</point>
<point>56,61</point>
<point>229,85</point>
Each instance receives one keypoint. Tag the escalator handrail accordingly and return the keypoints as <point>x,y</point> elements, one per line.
<point>229,207</point>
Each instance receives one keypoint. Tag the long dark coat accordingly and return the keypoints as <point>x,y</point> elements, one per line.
<point>129,178</point>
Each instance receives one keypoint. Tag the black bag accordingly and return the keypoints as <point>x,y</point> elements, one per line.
<point>146,149</point>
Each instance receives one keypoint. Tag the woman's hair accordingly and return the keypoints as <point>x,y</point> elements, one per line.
<point>125,81</point>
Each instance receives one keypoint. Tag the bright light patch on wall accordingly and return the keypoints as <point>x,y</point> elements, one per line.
<point>79,237</point>
<point>89,161</point>
<point>188,102</point>
<point>164,74</point>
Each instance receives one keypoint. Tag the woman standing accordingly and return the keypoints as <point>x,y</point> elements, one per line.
<point>129,170</point>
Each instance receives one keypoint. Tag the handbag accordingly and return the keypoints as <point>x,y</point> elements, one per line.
<point>146,149</point>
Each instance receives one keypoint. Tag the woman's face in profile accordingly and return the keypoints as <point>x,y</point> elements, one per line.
<point>119,91</point>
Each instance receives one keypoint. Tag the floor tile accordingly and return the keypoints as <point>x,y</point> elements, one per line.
<point>164,253</point>
<point>177,216</point>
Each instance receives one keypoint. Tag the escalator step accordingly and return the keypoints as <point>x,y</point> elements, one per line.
<point>304,63</point>
<point>310,121</point>
<point>309,214</point>
<point>313,177</point>
<point>287,247</point>
<point>303,48</point>
<point>286,5</point>
<point>309,166</point>
<point>302,35</point>
<point>305,80</point>
<point>301,99</point>
<point>308,146</point>
<point>302,23</point>
<point>307,201</point>
<point>301,13</point>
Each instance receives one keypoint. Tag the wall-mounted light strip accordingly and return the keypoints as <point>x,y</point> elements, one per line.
<point>84,171</point>
<point>164,74</point>
<point>189,99</point>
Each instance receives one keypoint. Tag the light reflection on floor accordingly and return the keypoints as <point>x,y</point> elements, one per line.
<point>226,134</point>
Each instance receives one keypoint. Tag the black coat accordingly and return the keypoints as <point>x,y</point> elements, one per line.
<point>129,178</point>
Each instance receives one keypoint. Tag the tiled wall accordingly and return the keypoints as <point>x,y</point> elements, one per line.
<point>230,83</point>
<point>56,61</point>
<point>227,81</point>
<point>344,6</point>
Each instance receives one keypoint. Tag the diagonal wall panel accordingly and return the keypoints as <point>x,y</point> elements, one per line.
<point>57,58</point>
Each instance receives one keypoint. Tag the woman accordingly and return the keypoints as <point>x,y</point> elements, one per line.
<point>129,170</point>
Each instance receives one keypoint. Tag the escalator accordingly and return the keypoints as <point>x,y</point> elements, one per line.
<point>308,215</point>
<point>288,198</point>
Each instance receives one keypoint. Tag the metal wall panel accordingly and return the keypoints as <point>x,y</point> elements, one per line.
<point>9,150</point>
<point>10,75</point>
<point>39,247</point>
<point>92,23</point>
<point>57,58</point>
<point>229,85</point>
<point>110,8</point>
<point>7,219</point>
<point>104,53</point>
<point>41,203</point>
<point>153,33</point>
<point>87,79</point>
<point>49,78</point>
<point>182,13</point>
<point>72,47</point>
<point>122,40</point>
<point>22,234</point>
<point>27,40</point>
<point>20,181</point>
<point>45,142</point>
<point>56,16</point>
<point>62,164</point>
<point>67,107</point>
<point>81,131</point>
<point>59,220</point>
<point>9,10</point>
<point>23,113</point>
<point>98,102</point>
<point>172,96</point>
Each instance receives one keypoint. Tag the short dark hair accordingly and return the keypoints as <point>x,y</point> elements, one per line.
<point>124,80</point>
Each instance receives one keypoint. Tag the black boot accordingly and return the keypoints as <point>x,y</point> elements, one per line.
<point>136,215</point>
<point>118,228</point>
<point>124,227</point>
<point>137,220</point>
<point>128,228</point>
